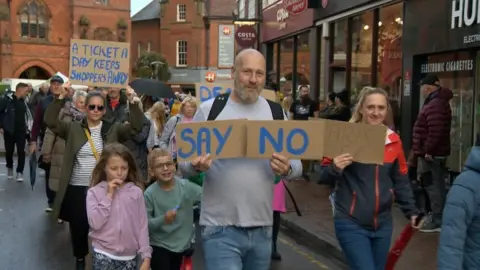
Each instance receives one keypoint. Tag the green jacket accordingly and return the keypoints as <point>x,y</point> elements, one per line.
<point>74,135</point>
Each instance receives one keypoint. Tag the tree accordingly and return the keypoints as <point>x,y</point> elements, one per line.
<point>152,65</point>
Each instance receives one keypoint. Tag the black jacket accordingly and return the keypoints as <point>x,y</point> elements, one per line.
<point>7,114</point>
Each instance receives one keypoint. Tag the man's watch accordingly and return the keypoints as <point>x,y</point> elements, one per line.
<point>289,171</point>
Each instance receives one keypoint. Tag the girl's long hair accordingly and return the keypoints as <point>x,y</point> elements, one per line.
<point>157,114</point>
<point>367,91</point>
<point>120,150</point>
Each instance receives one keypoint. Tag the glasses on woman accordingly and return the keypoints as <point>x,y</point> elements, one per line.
<point>96,107</point>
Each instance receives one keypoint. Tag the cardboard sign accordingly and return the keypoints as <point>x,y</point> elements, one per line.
<point>366,143</point>
<point>294,139</point>
<point>206,91</point>
<point>99,63</point>
<point>220,139</point>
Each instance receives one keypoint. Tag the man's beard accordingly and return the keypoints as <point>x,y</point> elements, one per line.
<point>245,93</point>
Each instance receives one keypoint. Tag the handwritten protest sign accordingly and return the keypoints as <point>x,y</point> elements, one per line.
<point>99,63</point>
<point>294,139</point>
<point>221,139</point>
<point>206,91</point>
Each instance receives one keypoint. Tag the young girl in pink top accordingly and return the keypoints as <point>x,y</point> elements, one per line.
<point>116,212</point>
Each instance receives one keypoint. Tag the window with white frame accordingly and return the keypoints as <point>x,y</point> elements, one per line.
<point>139,48</point>
<point>181,53</point>
<point>181,12</point>
<point>149,46</point>
<point>252,9</point>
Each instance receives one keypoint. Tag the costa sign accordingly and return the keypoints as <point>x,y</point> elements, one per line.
<point>295,7</point>
<point>246,36</point>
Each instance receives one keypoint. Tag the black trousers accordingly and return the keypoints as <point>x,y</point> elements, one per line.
<point>18,139</point>
<point>275,229</point>
<point>50,193</point>
<point>164,259</point>
<point>74,210</point>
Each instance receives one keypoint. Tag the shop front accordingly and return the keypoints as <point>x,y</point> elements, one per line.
<point>445,41</point>
<point>361,46</point>
<point>286,34</point>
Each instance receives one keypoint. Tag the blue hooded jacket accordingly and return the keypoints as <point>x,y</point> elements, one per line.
<point>460,237</point>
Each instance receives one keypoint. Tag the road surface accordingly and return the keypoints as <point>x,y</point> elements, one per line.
<point>29,241</point>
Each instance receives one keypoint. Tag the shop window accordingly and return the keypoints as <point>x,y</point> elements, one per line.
<point>390,50</point>
<point>286,66</point>
<point>303,60</point>
<point>33,20</point>
<point>362,38</point>
<point>339,63</point>
<point>465,114</point>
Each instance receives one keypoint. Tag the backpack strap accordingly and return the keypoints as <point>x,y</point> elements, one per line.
<point>217,106</point>
<point>277,110</point>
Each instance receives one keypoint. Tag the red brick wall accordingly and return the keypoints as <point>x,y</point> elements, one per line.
<point>192,31</point>
<point>144,32</point>
<point>53,54</point>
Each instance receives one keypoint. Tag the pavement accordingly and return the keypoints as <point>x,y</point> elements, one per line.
<point>315,230</point>
<point>29,240</point>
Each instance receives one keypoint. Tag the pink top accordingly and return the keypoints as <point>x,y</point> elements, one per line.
<point>120,226</point>
<point>279,197</point>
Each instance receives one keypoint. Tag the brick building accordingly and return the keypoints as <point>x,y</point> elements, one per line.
<point>36,33</point>
<point>188,37</point>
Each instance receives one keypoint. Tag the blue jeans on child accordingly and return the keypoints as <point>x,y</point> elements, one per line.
<point>364,249</point>
<point>237,248</point>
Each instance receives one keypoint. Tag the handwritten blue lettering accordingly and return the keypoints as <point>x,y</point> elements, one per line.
<point>207,93</point>
<point>202,144</point>
<point>277,142</point>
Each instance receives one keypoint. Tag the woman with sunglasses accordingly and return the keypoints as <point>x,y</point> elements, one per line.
<point>84,144</point>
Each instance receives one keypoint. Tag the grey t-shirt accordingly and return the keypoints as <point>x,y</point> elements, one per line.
<point>238,191</point>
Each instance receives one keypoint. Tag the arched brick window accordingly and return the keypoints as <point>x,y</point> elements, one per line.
<point>33,20</point>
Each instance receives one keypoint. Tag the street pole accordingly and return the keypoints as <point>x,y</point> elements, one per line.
<point>259,13</point>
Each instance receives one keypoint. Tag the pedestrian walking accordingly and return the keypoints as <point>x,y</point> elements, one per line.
<point>278,209</point>
<point>169,203</point>
<point>459,246</point>
<point>365,193</point>
<point>236,212</point>
<point>53,147</point>
<point>115,207</point>
<point>431,144</point>
<point>16,125</point>
<point>84,144</point>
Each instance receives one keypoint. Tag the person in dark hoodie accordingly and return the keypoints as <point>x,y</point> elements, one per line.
<point>431,144</point>
<point>341,110</point>
<point>459,246</point>
<point>365,193</point>
<point>117,108</point>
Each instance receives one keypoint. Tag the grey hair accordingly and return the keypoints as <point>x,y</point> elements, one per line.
<point>79,93</point>
<point>44,85</point>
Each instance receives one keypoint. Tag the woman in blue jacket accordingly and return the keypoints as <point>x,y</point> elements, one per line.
<point>460,237</point>
<point>365,193</point>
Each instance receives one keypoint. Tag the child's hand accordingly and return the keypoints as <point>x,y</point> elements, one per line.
<point>146,264</point>
<point>112,186</point>
<point>170,216</point>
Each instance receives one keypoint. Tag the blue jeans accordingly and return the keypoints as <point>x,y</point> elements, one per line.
<point>364,249</point>
<point>237,248</point>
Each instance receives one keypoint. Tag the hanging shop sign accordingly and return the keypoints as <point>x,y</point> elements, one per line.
<point>295,7</point>
<point>246,36</point>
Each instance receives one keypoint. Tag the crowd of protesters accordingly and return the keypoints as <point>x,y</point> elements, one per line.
<point>111,172</point>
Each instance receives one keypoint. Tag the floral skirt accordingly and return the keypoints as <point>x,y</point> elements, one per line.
<point>102,262</point>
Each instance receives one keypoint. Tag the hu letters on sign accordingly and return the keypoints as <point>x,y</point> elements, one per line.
<point>465,13</point>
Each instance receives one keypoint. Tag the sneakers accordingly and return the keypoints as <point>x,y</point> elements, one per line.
<point>10,173</point>
<point>19,177</point>
<point>430,225</point>
<point>49,209</point>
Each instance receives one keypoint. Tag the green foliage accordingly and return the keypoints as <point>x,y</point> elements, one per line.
<point>3,88</point>
<point>145,69</point>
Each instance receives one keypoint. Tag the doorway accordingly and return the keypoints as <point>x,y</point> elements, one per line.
<point>35,73</point>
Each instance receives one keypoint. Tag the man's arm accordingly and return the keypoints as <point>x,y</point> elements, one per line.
<point>437,122</point>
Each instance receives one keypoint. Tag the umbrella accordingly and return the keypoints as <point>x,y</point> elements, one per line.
<point>33,168</point>
<point>152,88</point>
